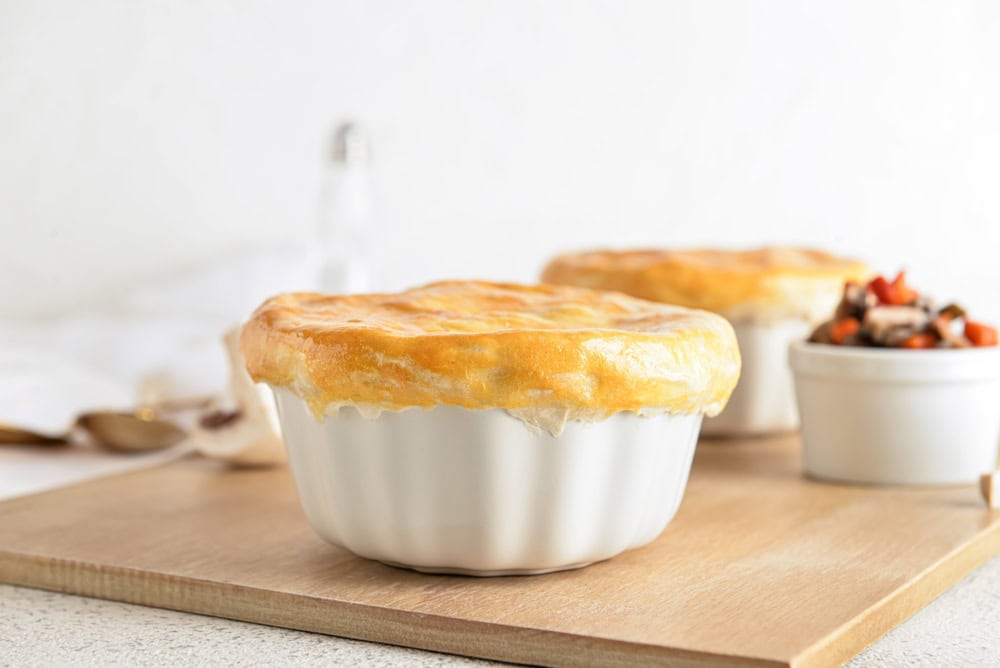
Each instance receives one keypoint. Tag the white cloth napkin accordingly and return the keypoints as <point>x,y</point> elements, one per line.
<point>165,333</point>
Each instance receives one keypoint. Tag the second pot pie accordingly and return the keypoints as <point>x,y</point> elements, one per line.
<point>771,295</point>
<point>405,417</point>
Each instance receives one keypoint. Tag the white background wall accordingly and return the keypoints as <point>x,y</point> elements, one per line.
<point>139,137</point>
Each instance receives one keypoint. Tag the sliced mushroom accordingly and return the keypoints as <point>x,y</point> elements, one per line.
<point>953,311</point>
<point>891,325</point>
<point>944,327</point>
<point>856,301</point>
<point>248,434</point>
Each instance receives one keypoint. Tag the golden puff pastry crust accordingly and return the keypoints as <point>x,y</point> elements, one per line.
<point>763,285</point>
<point>479,345</point>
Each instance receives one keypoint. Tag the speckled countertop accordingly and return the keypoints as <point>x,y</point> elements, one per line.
<point>961,628</point>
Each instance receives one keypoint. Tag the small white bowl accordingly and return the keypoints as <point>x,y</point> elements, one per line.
<point>764,399</point>
<point>907,417</point>
<point>451,490</point>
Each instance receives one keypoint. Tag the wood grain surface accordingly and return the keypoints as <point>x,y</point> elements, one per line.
<point>760,567</point>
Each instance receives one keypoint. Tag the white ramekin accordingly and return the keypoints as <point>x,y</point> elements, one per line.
<point>909,417</point>
<point>764,399</point>
<point>450,490</point>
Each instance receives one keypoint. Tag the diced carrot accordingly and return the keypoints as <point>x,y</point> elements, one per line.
<point>980,334</point>
<point>903,293</point>
<point>843,329</point>
<point>921,341</point>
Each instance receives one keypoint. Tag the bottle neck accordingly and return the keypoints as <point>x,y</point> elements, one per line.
<point>347,230</point>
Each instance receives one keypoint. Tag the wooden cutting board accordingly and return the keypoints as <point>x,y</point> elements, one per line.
<point>760,566</point>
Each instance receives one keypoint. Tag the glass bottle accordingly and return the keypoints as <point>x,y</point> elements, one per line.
<point>347,221</point>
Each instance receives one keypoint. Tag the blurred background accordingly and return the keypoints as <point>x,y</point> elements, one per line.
<point>141,139</point>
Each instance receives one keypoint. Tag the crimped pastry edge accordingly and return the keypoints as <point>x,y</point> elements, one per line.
<point>689,363</point>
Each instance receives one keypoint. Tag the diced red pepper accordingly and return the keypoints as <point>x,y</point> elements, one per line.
<point>882,289</point>
<point>980,334</point>
<point>897,293</point>
<point>843,329</point>
<point>921,341</point>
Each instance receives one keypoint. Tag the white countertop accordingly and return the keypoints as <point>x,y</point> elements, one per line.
<point>961,628</point>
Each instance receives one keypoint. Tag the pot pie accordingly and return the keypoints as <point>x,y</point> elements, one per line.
<point>490,428</point>
<point>771,295</point>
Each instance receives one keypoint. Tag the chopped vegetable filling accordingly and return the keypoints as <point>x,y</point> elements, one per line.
<point>891,314</point>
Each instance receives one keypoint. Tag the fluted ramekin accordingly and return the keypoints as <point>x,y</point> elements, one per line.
<point>452,490</point>
<point>764,399</point>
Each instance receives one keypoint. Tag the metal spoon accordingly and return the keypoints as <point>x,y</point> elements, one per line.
<point>111,430</point>
<point>129,432</point>
<point>11,435</point>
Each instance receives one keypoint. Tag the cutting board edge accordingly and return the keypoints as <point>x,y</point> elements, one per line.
<point>353,620</point>
<point>852,637</point>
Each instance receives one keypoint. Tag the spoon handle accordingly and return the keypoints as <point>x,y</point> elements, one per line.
<point>16,436</point>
